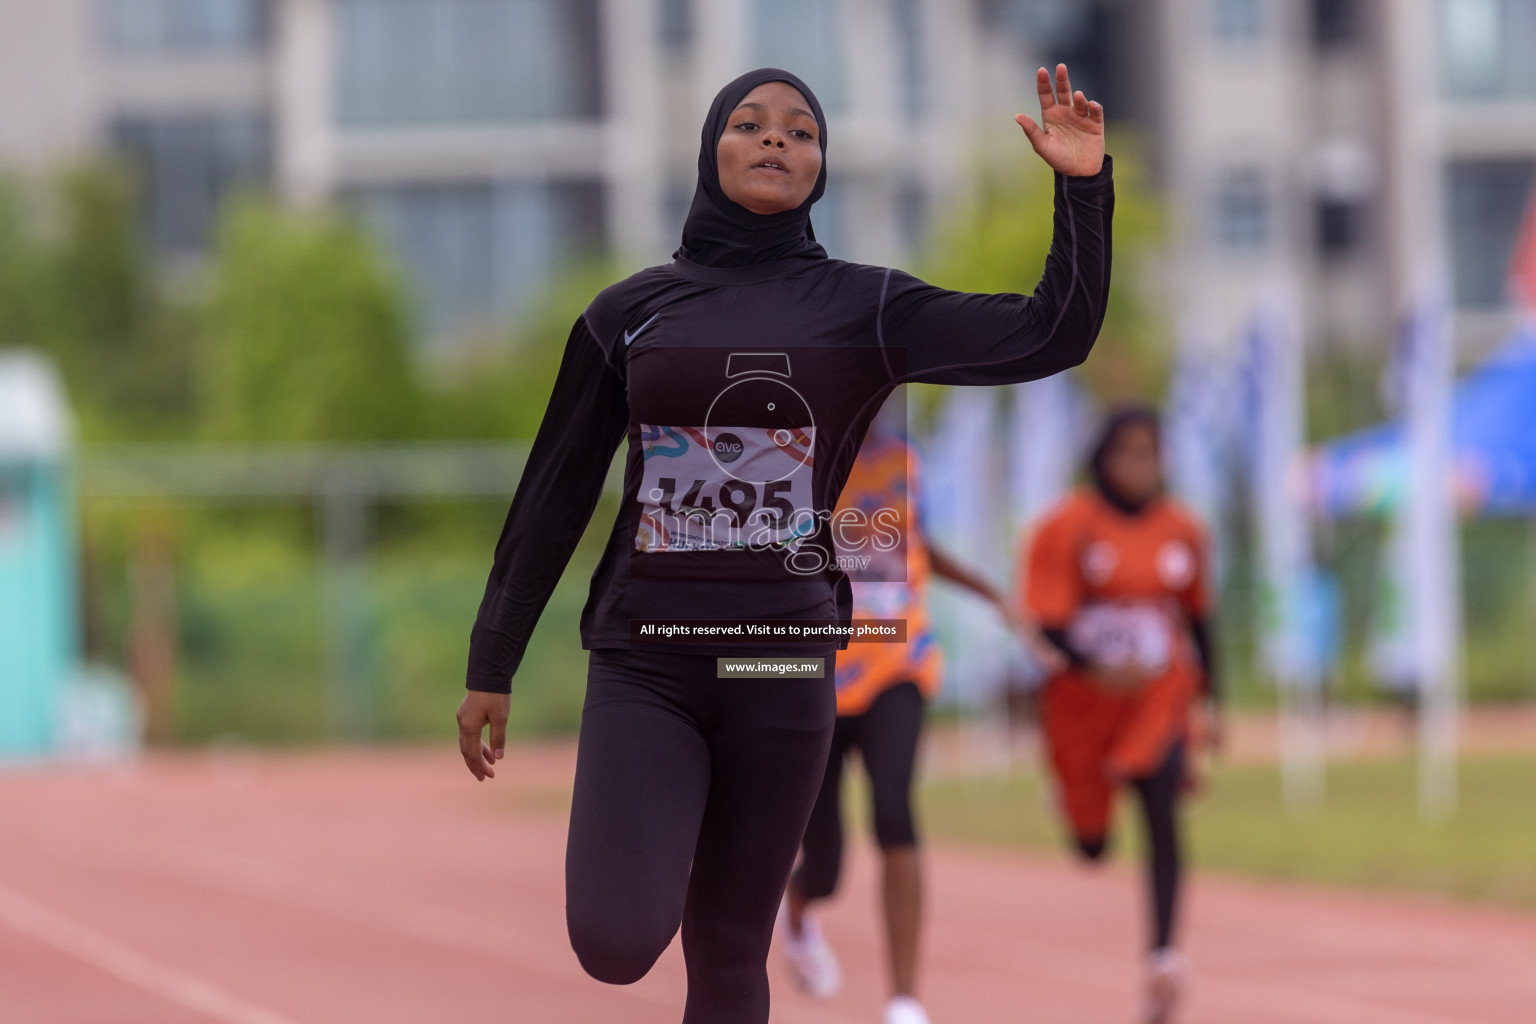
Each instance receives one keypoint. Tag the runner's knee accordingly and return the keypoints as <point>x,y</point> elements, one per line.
<point>816,877</point>
<point>893,822</point>
<point>611,952</point>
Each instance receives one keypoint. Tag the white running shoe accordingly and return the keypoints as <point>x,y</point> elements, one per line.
<point>811,961</point>
<point>1165,982</point>
<point>905,1010</point>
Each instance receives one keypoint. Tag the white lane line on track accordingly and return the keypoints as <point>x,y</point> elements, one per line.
<point>38,922</point>
<point>251,877</point>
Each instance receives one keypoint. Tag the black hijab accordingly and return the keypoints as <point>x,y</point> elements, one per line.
<point>1120,421</point>
<point>722,233</point>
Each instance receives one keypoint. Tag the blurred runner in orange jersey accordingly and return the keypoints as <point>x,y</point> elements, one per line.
<point>882,691</point>
<point>1117,576</point>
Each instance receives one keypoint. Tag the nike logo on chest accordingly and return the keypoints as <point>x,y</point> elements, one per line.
<point>630,336</point>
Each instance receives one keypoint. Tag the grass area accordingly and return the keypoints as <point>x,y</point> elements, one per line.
<point>1367,833</point>
<point>253,660</point>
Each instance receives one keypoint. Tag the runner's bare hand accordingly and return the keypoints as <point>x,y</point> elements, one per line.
<point>1046,654</point>
<point>1070,134</point>
<point>478,710</point>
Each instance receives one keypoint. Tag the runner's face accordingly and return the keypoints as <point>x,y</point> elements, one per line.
<point>1132,466</point>
<point>770,153</point>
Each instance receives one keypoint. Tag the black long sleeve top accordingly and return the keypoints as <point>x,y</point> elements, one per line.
<point>744,394</point>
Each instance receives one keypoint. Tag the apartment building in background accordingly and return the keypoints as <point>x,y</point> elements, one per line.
<point>491,142</point>
<point>1341,144</point>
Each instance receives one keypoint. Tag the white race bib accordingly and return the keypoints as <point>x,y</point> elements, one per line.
<point>1116,635</point>
<point>718,488</point>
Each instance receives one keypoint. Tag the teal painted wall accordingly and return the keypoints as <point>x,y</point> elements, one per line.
<point>38,629</point>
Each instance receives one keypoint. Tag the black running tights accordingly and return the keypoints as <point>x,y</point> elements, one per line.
<point>690,799</point>
<point>1158,795</point>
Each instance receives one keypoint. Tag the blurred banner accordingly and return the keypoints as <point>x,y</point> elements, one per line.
<point>1050,422</point>
<point>1492,467</point>
<point>1274,375</point>
<point>1277,410</point>
<point>963,475</point>
<point>1200,424</point>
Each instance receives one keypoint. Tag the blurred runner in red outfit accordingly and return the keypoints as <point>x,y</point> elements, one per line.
<point>1117,576</point>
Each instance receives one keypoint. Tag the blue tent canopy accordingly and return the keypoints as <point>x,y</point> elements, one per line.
<point>1494,438</point>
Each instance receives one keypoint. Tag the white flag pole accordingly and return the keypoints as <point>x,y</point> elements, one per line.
<point>1433,543</point>
<point>1417,219</point>
<point>1278,363</point>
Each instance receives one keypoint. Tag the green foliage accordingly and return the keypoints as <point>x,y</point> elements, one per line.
<point>1344,392</point>
<point>307,334</point>
<point>24,312</point>
<point>1367,833</point>
<point>999,243</point>
<point>502,392</point>
<point>85,294</point>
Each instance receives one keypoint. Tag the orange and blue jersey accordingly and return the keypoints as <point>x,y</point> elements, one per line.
<point>893,584</point>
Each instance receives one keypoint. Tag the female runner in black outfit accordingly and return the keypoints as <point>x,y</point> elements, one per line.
<point>743,375</point>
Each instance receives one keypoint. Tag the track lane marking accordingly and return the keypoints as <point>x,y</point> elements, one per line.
<point>306,890</point>
<point>42,924</point>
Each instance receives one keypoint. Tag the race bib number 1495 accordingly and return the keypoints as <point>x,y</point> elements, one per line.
<point>718,488</point>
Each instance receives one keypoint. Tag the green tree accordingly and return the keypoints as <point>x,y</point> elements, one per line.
<point>501,392</point>
<point>24,278</point>
<point>77,283</point>
<point>307,332</point>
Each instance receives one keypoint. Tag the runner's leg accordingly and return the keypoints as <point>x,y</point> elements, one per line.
<point>815,878</point>
<point>642,776</point>
<point>888,739</point>
<point>1158,795</point>
<point>768,747</point>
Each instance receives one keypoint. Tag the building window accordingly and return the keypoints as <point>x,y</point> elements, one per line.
<point>911,216</point>
<point>1340,227</point>
<point>1083,34</point>
<point>910,71</point>
<point>1336,24</point>
<point>1486,200</point>
<point>805,36</point>
<point>1242,211</point>
<point>675,26</point>
<point>159,27</point>
<point>186,165</point>
<point>1237,21</point>
<point>1487,46</point>
<point>1344,178</point>
<point>477,254</point>
<point>423,62</point>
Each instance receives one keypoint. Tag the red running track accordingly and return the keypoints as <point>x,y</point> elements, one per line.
<point>383,887</point>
